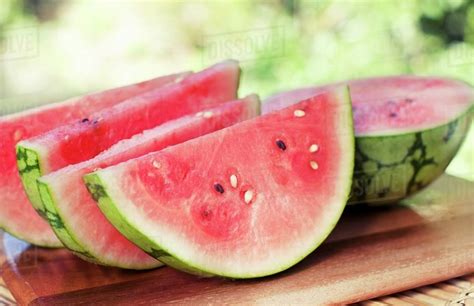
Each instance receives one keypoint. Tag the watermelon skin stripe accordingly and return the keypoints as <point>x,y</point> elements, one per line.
<point>394,162</point>
<point>58,225</point>
<point>98,185</point>
<point>67,237</point>
<point>378,182</point>
<point>29,169</point>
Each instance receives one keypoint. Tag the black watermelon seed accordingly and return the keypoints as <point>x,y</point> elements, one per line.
<point>85,120</point>
<point>281,144</point>
<point>218,187</point>
<point>393,115</point>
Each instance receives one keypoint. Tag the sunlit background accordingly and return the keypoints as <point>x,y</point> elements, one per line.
<point>52,50</point>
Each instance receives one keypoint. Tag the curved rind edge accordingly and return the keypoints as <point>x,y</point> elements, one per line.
<point>98,188</point>
<point>63,230</point>
<point>29,169</point>
<point>98,191</point>
<point>57,223</point>
<point>345,190</point>
<point>461,124</point>
<point>27,162</point>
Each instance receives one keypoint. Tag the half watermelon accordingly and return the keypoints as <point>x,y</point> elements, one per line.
<point>16,214</point>
<point>80,141</point>
<point>247,201</point>
<point>407,130</point>
<point>74,215</point>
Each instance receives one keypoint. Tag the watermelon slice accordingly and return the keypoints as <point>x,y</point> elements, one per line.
<point>80,141</point>
<point>247,201</point>
<point>76,216</point>
<point>16,214</point>
<point>407,130</point>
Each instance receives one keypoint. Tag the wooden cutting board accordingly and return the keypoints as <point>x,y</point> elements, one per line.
<point>372,252</point>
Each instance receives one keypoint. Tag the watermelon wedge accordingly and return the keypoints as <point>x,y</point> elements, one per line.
<point>74,215</point>
<point>80,141</point>
<point>247,201</point>
<point>407,130</point>
<point>16,214</point>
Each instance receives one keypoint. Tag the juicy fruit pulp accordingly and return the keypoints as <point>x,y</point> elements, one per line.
<point>393,105</point>
<point>246,201</point>
<point>73,213</point>
<point>407,130</point>
<point>16,214</point>
<point>80,141</point>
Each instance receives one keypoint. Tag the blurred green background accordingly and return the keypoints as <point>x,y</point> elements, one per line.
<point>52,50</point>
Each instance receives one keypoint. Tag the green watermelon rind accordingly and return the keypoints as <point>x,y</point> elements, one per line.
<point>63,231</point>
<point>396,137</point>
<point>99,189</point>
<point>57,224</point>
<point>455,129</point>
<point>29,177</point>
<point>29,168</point>
<point>124,226</point>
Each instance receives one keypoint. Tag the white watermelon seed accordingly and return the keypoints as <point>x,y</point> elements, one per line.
<point>248,195</point>
<point>156,164</point>
<point>233,181</point>
<point>198,114</point>
<point>207,114</point>
<point>313,148</point>
<point>314,165</point>
<point>299,113</point>
<point>66,137</point>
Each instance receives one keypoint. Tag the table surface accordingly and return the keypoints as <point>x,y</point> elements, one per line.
<point>440,219</point>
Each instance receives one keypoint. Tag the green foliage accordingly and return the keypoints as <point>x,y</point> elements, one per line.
<point>88,45</point>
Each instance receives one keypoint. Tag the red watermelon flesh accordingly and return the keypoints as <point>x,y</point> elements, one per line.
<point>250,200</point>
<point>67,199</point>
<point>393,105</point>
<point>407,128</point>
<point>16,214</point>
<point>80,141</point>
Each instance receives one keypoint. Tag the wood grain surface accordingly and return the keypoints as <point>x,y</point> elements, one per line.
<point>373,252</point>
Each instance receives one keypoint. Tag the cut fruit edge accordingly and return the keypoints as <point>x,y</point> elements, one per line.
<point>35,152</point>
<point>55,216</point>
<point>164,80</point>
<point>18,217</point>
<point>467,114</point>
<point>466,106</point>
<point>131,225</point>
<point>58,226</point>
